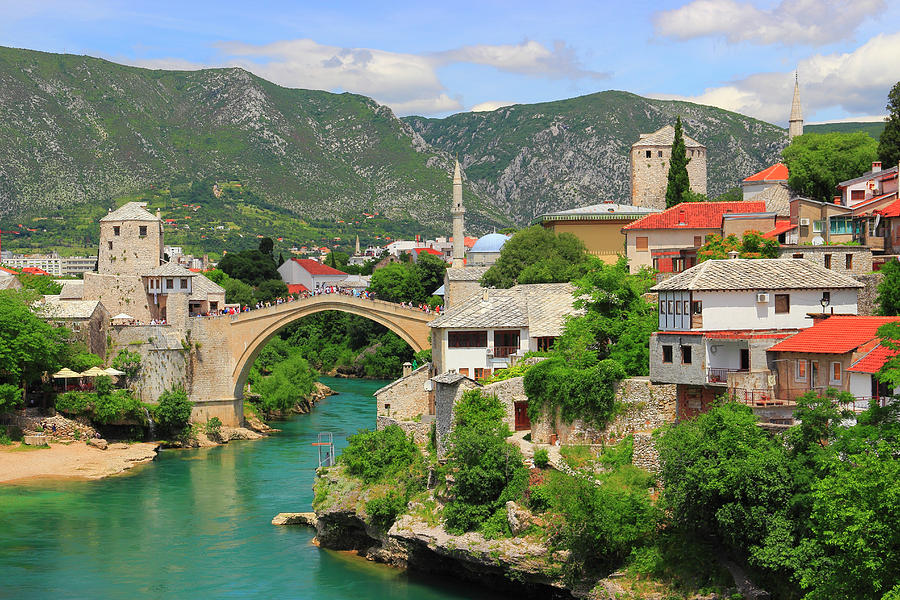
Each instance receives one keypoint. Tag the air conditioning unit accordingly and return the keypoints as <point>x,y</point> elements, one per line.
<point>804,221</point>
<point>762,298</point>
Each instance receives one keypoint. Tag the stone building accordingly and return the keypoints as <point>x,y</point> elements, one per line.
<point>650,157</point>
<point>131,241</point>
<point>88,320</point>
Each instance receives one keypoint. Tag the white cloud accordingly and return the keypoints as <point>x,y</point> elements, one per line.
<point>792,22</point>
<point>857,82</point>
<point>528,58</point>
<point>490,105</point>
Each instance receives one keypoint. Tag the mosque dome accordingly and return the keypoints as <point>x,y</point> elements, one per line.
<point>491,242</point>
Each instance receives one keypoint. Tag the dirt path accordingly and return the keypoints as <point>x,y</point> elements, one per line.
<point>76,460</point>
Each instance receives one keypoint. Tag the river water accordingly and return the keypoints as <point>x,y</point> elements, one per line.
<point>198,522</point>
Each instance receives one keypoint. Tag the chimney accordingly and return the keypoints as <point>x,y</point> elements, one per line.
<point>733,254</point>
<point>876,166</point>
<point>407,369</point>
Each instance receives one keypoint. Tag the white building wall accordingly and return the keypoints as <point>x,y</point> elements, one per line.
<point>739,310</point>
<point>752,189</point>
<point>722,354</point>
<point>454,359</point>
<point>324,280</point>
<point>860,385</point>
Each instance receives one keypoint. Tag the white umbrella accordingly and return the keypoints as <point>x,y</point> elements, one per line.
<point>111,371</point>
<point>122,317</point>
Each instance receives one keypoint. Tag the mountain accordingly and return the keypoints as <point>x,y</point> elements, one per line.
<point>874,129</point>
<point>81,130</point>
<point>532,158</point>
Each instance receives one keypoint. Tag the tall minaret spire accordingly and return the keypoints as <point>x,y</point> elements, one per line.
<point>457,210</point>
<point>357,245</point>
<point>795,123</point>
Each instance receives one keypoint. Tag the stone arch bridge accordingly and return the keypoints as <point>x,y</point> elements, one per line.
<point>224,348</point>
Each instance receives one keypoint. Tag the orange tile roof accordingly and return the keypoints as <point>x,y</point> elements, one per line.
<point>10,271</point>
<point>780,228</point>
<point>696,215</point>
<point>296,288</point>
<point>777,172</point>
<point>314,267</point>
<point>891,210</point>
<point>834,335</point>
<point>873,360</point>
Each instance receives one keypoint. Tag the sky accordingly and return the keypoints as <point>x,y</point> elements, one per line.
<point>436,59</point>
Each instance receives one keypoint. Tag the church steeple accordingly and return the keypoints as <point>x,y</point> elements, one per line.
<point>795,123</point>
<point>458,210</point>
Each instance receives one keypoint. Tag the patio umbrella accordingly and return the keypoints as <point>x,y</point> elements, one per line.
<point>94,372</point>
<point>111,371</point>
<point>66,374</point>
<point>122,317</point>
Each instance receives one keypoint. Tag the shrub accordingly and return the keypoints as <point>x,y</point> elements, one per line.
<point>75,403</point>
<point>374,456</point>
<point>554,386</point>
<point>541,458</point>
<point>10,396</point>
<point>422,356</point>
<point>539,499</point>
<point>383,511</point>
<point>173,410</point>
<point>128,362</point>
<point>213,428</point>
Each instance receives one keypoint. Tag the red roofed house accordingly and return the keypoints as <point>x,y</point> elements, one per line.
<point>777,174</point>
<point>34,271</point>
<point>417,251</point>
<point>8,271</point>
<point>841,352</point>
<point>310,273</point>
<point>296,288</point>
<point>667,241</point>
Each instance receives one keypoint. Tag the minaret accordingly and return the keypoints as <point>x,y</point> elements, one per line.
<point>457,210</point>
<point>795,126</point>
<point>357,245</point>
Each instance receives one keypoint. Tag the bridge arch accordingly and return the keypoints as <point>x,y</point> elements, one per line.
<point>253,330</point>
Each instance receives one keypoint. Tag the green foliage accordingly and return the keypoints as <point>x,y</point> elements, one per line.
<point>292,380</point>
<point>213,428</point>
<point>889,142</point>
<point>430,271</point>
<point>104,405</point>
<point>735,194</point>
<point>128,362</point>
<point>42,284</point>
<point>537,255</point>
<point>77,357</point>
<point>751,245</point>
<point>10,397</point>
<point>555,387</point>
<point>173,411</point>
<point>74,403</point>
<point>889,289</point>
<point>376,456</point>
<point>540,498</point>
<point>383,511</point>
<point>422,356</point>
<point>618,455</point>
<point>890,371</point>
<point>250,266</point>
<point>487,471</point>
<point>269,290</point>
<point>398,282</point>
<point>28,345</point>
<point>541,458</point>
<point>236,291</point>
<point>818,162</point>
<point>517,370</point>
<point>679,185</point>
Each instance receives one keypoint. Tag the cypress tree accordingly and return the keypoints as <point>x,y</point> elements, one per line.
<point>889,143</point>
<point>679,184</point>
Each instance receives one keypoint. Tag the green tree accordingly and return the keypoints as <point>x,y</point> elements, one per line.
<point>28,345</point>
<point>10,397</point>
<point>267,247</point>
<point>430,271</point>
<point>679,184</point>
<point>397,282</point>
<point>889,289</point>
<point>173,411</point>
<point>271,289</point>
<point>236,291</point>
<point>537,255</point>
<point>128,362</point>
<point>751,245</point>
<point>889,142</point>
<point>250,266</point>
<point>291,382</point>
<point>818,162</point>
<point>42,284</point>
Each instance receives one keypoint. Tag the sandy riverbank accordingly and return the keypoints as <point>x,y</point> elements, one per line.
<point>76,460</point>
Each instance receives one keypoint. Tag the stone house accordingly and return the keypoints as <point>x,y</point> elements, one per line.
<point>775,175</point>
<point>650,157</point>
<point>310,273</point>
<point>849,260</point>
<point>717,319</point>
<point>88,320</point>
<point>489,331</point>
<point>599,226</point>
<point>460,283</point>
<point>131,241</point>
<point>842,352</point>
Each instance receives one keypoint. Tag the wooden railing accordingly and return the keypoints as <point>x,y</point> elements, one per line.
<point>717,375</point>
<point>505,351</point>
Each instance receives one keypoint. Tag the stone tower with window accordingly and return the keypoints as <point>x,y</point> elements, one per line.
<point>131,241</point>
<point>650,167</point>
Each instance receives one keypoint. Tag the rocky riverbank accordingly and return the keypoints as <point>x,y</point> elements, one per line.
<point>75,460</point>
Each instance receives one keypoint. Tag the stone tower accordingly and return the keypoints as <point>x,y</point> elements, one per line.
<point>131,241</point>
<point>650,167</point>
<point>795,123</point>
<point>458,210</point>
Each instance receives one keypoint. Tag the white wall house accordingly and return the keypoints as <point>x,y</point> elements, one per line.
<point>310,273</point>
<point>488,331</point>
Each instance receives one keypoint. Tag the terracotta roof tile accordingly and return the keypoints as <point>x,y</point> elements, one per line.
<point>834,335</point>
<point>872,361</point>
<point>777,172</point>
<point>695,215</point>
<point>314,267</point>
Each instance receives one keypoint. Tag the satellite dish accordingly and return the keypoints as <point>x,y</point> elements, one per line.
<point>818,241</point>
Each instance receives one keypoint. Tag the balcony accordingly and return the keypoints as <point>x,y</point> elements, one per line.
<point>758,398</point>
<point>862,403</point>
<point>717,375</point>
<point>505,351</point>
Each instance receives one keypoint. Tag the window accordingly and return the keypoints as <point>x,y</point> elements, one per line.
<point>827,261</point>
<point>826,296</point>
<point>649,153</point>
<point>640,243</point>
<point>782,303</point>
<point>667,354</point>
<point>545,343</point>
<point>698,241</point>
<point>659,153</point>
<point>797,255</point>
<point>387,406</point>
<point>818,226</point>
<point>671,307</point>
<point>170,283</point>
<point>662,307</point>
<point>506,343</point>
<point>697,307</point>
<point>687,306</point>
<point>835,372</point>
<point>800,370</point>
<point>184,283</point>
<point>116,230</point>
<point>109,244</point>
<point>840,225</point>
<point>479,374</point>
<point>857,194</point>
<point>467,339</point>
<point>677,307</point>
<point>142,231</point>
<point>848,261</point>
<point>685,355</point>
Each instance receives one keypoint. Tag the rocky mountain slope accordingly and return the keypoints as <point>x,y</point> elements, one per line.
<point>76,129</point>
<point>531,158</point>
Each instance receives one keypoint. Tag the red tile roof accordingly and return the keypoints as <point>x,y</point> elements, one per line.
<point>428,251</point>
<point>874,360</point>
<point>696,215</point>
<point>34,271</point>
<point>780,228</point>
<point>777,172</point>
<point>296,288</point>
<point>314,267</point>
<point>834,335</point>
<point>10,271</point>
<point>891,210</point>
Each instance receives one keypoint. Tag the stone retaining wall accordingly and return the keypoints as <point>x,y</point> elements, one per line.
<point>867,302</point>
<point>421,430</point>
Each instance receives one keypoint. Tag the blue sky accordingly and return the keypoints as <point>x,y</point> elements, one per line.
<point>425,58</point>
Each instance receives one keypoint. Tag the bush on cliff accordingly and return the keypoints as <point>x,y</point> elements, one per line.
<point>104,405</point>
<point>382,455</point>
<point>487,471</point>
<point>292,381</point>
<point>173,411</point>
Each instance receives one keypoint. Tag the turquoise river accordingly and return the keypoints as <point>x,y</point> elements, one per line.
<point>196,523</point>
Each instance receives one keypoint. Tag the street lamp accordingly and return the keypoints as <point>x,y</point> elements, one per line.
<point>824,302</point>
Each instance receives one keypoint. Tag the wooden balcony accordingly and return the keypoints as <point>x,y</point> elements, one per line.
<point>717,375</point>
<point>505,351</point>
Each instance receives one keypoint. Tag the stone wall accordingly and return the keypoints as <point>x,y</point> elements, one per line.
<point>163,357</point>
<point>508,391</point>
<point>861,262</point>
<point>867,302</point>
<point>649,176</point>
<point>420,430</point>
<point>405,398</point>
<point>445,398</point>
<point>119,294</point>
